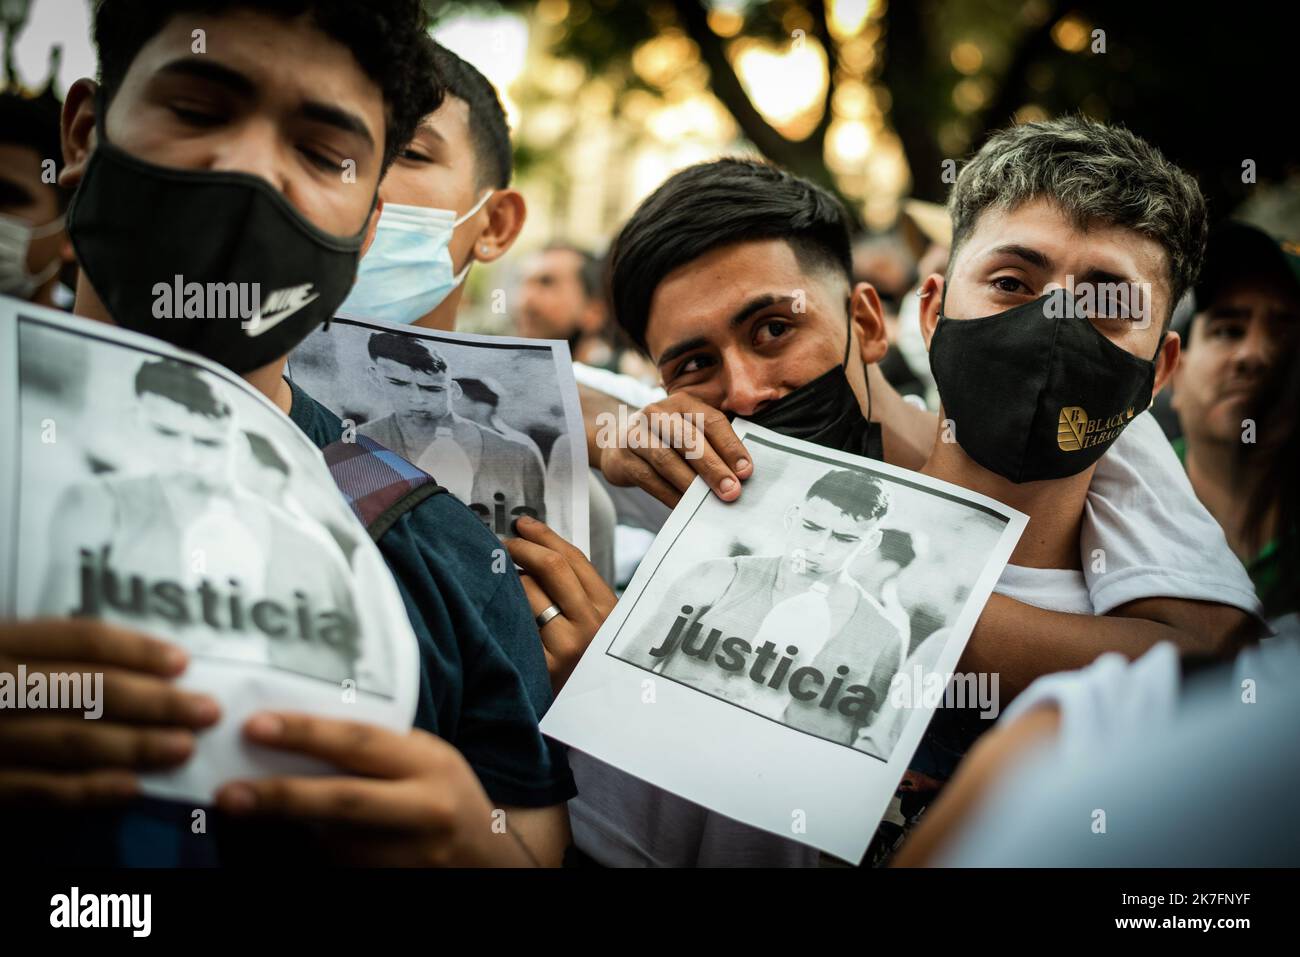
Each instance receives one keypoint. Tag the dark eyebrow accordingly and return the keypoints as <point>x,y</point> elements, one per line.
<point>738,318</point>
<point>232,80</point>
<point>1027,253</point>
<point>1099,276</point>
<point>242,86</point>
<point>342,119</point>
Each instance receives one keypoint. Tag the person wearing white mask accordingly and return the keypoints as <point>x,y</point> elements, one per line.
<point>34,245</point>
<point>447,204</point>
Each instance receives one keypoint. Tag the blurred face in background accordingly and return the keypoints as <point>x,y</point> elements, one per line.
<point>552,301</point>
<point>474,410</point>
<point>1233,345</point>
<point>26,199</point>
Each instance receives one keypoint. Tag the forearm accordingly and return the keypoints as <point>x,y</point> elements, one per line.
<point>1021,643</point>
<point>988,761</point>
<point>543,831</point>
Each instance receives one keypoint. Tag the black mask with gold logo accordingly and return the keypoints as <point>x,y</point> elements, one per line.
<point>1036,392</point>
<point>826,412</point>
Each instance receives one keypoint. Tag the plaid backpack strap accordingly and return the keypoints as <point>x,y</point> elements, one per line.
<point>379,485</point>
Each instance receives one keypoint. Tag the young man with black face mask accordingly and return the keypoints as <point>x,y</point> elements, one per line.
<point>255,157</point>
<point>735,277</point>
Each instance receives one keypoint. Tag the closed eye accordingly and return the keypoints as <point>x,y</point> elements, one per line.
<point>318,159</point>
<point>195,116</point>
<point>695,363</point>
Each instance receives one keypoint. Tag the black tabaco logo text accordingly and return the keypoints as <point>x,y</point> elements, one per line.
<point>1075,431</point>
<point>221,609</point>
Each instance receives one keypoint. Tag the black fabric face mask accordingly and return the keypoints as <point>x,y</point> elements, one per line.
<point>136,227</point>
<point>1034,396</point>
<point>826,411</point>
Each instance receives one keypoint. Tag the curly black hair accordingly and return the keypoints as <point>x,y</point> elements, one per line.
<point>387,38</point>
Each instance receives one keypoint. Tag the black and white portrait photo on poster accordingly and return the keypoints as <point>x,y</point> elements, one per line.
<point>495,420</point>
<point>759,641</point>
<point>159,492</point>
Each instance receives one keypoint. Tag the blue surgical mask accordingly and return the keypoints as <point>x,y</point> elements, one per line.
<point>407,272</point>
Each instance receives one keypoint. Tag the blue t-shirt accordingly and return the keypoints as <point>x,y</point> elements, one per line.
<point>483,688</point>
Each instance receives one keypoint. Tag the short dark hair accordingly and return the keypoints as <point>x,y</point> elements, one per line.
<point>711,205</point>
<point>489,132</point>
<point>476,390</point>
<point>1097,174</point>
<point>853,493</point>
<point>34,122</point>
<point>409,352</point>
<point>182,384</point>
<point>385,36</point>
<point>896,546</point>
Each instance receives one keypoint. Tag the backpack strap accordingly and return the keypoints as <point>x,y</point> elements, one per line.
<point>380,486</point>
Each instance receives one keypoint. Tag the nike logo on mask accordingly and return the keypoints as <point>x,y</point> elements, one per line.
<point>279,306</point>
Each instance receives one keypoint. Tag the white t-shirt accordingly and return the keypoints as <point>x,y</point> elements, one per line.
<point>1144,535</point>
<point>1189,774</point>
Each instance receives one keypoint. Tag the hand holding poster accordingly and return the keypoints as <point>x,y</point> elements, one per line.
<point>748,666</point>
<point>159,492</point>
<point>495,420</point>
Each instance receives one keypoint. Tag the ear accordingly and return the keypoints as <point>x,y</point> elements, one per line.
<point>872,541</point>
<point>77,130</point>
<point>791,513</point>
<point>506,214</point>
<point>1167,361</point>
<point>456,391</point>
<point>868,323</point>
<point>372,225</point>
<point>931,293</point>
